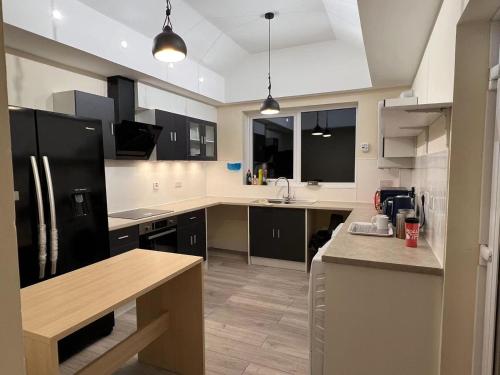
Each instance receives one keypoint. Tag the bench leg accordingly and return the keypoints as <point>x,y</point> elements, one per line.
<point>42,357</point>
<point>181,348</point>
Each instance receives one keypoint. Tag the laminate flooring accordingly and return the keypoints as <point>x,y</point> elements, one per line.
<point>256,322</point>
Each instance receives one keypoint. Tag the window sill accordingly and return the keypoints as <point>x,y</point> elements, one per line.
<point>323,185</point>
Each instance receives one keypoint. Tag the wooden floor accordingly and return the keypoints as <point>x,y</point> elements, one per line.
<point>255,322</point>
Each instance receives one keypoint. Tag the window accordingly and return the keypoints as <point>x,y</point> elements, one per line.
<point>328,157</point>
<point>288,147</point>
<point>273,146</point>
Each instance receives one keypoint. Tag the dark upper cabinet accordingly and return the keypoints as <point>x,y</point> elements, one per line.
<point>83,104</point>
<point>172,144</point>
<point>277,233</point>
<point>201,140</point>
<point>191,234</point>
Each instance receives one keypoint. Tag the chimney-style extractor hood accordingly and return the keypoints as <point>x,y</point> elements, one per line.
<point>134,140</point>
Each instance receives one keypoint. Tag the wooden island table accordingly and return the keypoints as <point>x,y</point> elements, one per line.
<point>169,292</point>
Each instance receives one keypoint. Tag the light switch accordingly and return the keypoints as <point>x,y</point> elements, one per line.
<point>365,147</point>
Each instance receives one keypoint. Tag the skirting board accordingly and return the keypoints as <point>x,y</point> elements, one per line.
<point>278,263</point>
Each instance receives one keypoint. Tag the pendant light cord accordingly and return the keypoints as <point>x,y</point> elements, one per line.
<point>269,49</point>
<point>167,22</point>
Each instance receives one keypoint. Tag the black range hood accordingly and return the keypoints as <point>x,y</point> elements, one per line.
<point>134,140</point>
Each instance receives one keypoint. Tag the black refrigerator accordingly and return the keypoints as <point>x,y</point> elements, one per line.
<point>60,194</point>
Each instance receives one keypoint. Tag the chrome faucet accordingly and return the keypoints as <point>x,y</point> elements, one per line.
<point>288,198</point>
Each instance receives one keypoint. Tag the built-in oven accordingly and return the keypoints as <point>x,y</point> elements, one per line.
<point>159,235</point>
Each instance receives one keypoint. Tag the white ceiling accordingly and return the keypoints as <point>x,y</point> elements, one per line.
<point>297,22</point>
<point>220,33</point>
<point>206,43</point>
<point>318,46</point>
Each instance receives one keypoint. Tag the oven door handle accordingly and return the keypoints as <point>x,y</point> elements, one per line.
<point>158,235</point>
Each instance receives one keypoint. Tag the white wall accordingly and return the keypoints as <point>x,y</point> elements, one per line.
<point>129,184</point>
<point>305,70</point>
<point>434,79</point>
<point>232,121</point>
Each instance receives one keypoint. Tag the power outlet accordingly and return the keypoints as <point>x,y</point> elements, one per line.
<point>178,184</point>
<point>365,147</point>
<point>156,185</point>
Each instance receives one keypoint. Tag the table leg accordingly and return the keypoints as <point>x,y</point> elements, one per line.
<point>181,348</point>
<point>42,357</point>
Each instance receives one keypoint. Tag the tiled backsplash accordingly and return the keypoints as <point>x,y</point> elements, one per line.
<point>430,178</point>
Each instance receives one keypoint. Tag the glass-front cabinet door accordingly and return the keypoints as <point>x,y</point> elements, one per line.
<point>195,129</point>
<point>210,141</point>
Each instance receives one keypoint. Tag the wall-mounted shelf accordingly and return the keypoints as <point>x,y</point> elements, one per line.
<point>400,125</point>
<point>410,120</point>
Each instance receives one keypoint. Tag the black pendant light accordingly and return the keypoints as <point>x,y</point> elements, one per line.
<point>270,106</point>
<point>317,129</point>
<point>167,45</point>
<point>328,132</point>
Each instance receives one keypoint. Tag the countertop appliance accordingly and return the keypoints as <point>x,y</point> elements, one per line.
<point>159,235</point>
<point>133,140</point>
<point>392,205</point>
<point>383,193</point>
<point>61,212</point>
<point>139,213</point>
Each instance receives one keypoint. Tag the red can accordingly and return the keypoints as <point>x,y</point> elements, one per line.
<point>412,228</point>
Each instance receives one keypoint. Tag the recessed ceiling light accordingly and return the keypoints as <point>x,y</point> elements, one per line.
<point>171,65</point>
<point>201,79</point>
<point>56,14</point>
<point>124,44</point>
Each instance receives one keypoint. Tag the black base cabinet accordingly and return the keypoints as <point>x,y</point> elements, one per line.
<point>191,234</point>
<point>278,233</point>
<point>123,240</point>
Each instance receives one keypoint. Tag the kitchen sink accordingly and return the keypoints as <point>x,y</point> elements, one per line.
<point>284,201</point>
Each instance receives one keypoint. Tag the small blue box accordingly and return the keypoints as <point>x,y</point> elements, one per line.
<point>234,166</point>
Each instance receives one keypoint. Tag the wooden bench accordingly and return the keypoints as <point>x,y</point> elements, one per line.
<point>169,293</point>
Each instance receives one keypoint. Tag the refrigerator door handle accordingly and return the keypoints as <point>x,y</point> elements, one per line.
<point>42,230</point>
<point>53,222</point>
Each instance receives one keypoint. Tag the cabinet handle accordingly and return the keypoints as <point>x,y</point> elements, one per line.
<point>171,137</point>
<point>112,128</point>
<point>191,240</point>
<point>278,233</point>
<point>175,136</point>
<point>123,237</point>
<point>273,232</point>
<point>192,218</point>
<point>195,239</point>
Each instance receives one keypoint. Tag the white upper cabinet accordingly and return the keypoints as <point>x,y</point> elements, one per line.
<point>113,47</point>
<point>400,124</point>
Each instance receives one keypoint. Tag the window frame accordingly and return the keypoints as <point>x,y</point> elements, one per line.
<point>296,113</point>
